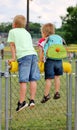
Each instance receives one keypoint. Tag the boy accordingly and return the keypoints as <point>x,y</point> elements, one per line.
<point>53,67</point>
<point>22,48</point>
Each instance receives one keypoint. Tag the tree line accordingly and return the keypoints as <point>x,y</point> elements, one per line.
<point>68,30</point>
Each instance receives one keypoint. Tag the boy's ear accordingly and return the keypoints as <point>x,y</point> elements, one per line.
<point>13,25</point>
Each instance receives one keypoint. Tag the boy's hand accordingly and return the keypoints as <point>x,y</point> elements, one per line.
<point>13,65</point>
<point>11,60</point>
<point>41,66</point>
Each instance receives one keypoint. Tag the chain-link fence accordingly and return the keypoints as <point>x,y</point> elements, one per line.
<point>53,115</point>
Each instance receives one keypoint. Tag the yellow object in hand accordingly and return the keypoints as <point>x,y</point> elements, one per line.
<point>14,66</point>
<point>67,68</point>
<point>41,66</point>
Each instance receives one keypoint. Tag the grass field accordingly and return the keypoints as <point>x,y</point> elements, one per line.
<point>49,116</point>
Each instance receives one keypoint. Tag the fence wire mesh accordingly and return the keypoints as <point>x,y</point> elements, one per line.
<point>49,116</point>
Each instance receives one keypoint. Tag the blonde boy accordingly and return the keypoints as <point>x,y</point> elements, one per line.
<point>22,49</point>
<point>53,67</point>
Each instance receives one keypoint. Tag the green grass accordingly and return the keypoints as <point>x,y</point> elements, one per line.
<point>48,116</point>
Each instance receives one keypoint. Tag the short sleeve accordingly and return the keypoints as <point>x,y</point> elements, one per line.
<point>40,42</point>
<point>11,36</point>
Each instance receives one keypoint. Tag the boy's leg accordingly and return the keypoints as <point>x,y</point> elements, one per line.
<point>57,87</point>
<point>46,96</point>
<point>22,92</point>
<point>22,103</point>
<point>47,87</point>
<point>33,86</point>
<point>57,83</point>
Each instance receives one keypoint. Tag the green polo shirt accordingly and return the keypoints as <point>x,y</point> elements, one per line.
<point>23,42</point>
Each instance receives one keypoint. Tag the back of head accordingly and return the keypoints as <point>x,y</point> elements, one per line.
<point>48,29</point>
<point>19,21</point>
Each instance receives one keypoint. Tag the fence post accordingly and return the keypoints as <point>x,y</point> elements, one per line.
<point>0,93</point>
<point>69,103</point>
<point>6,94</point>
<point>76,95</point>
<point>67,93</point>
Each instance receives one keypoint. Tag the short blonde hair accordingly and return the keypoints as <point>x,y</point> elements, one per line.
<point>48,29</point>
<point>19,21</point>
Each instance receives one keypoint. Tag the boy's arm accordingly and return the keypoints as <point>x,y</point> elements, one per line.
<point>41,54</point>
<point>13,51</point>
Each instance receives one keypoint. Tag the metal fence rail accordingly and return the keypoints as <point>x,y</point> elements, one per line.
<point>76,96</point>
<point>0,92</point>
<point>53,115</point>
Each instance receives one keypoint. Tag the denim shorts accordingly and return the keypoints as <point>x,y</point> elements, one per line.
<point>53,68</point>
<point>28,68</point>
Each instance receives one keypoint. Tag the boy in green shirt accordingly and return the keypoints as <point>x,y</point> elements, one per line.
<point>22,48</point>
